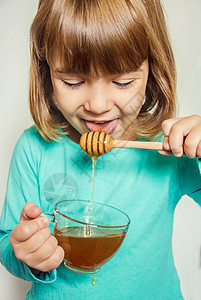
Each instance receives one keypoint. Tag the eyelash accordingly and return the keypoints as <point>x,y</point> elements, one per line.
<point>72,85</point>
<point>119,84</point>
<point>124,85</point>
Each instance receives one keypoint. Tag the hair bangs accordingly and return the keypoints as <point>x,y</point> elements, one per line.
<point>96,37</point>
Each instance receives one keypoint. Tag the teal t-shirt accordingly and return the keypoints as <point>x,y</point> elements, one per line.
<point>144,184</point>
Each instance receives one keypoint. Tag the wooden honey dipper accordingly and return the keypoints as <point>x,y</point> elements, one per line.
<point>98,143</point>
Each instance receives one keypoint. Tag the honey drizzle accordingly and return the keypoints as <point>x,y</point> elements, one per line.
<point>94,160</point>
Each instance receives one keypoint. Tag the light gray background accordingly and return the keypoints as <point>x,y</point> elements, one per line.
<point>184,20</point>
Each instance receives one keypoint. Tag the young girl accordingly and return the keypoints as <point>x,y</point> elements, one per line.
<point>106,66</point>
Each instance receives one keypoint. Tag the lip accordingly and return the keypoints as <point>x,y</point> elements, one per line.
<point>99,121</point>
<point>107,126</point>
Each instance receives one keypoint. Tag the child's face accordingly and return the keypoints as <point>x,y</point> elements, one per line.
<point>108,103</point>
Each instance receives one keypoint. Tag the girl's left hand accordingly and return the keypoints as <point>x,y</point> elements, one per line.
<point>182,136</point>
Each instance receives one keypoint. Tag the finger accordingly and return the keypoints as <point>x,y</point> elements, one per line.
<point>36,241</point>
<point>166,144</point>
<point>44,252</point>
<point>176,140</point>
<point>165,152</point>
<point>183,135</point>
<point>198,151</point>
<point>24,230</point>
<point>167,125</point>
<point>30,211</point>
<point>191,143</point>
<point>173,139</point>
<point>53,261</point>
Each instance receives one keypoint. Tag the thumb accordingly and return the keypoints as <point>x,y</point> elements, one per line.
<point>30,211</point>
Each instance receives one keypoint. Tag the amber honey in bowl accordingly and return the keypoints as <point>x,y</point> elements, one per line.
<point>87,249</point>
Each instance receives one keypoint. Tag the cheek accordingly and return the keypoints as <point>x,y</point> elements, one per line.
<point>64,101</point>
<point>63,105</point>
<point>133,103</point>
<point>135,100</point>
<point>66,108</point>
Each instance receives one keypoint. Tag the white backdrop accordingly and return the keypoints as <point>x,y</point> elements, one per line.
<point>184,19</point>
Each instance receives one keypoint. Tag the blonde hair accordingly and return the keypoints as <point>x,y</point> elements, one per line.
<point>101,37</point>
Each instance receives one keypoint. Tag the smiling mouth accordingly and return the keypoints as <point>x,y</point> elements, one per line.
<point>105,126</point>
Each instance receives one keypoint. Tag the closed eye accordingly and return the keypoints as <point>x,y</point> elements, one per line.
<point>124,84</point>
<point>72,85</point>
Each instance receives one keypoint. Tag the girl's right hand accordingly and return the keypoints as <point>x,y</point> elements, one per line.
<point>32,241</point>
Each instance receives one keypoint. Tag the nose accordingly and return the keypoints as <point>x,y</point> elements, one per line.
<point>98,101</point>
